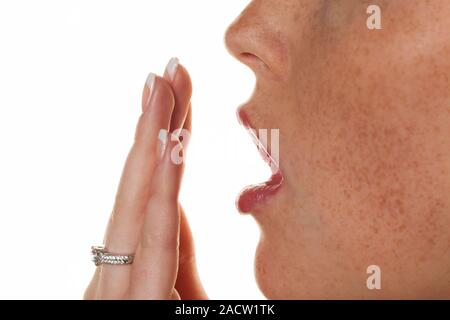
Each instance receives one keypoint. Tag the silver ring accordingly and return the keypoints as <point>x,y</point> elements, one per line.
<point>101,256</point>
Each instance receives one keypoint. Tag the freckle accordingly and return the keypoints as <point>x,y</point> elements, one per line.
<point>375,135</point>
<point>422,258</point>
<point>399,206</point>
<point>362,217</point>
<point>379,214</point>
<point>321,219</point>
<point>395,253</point>
<point>347,194</point>
<point>437,129</point>
<point>334,161</point>
<point>382,201</point>
<point>410,129</point>
<point>389,131</point>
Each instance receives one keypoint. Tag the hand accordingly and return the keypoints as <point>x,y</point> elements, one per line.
<point>147,220</point>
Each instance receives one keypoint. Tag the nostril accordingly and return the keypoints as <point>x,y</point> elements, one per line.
<point>252,60</point>
<point>248,55</point>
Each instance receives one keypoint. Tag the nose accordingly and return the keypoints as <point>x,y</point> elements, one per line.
<point>257,40</point>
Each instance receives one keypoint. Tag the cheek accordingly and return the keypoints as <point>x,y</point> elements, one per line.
<point>371,179</point>
<point>371,192</point>
<point>373,176</point>
<point>378,187</point>
<point>368,158</point>
<point>377,147</point>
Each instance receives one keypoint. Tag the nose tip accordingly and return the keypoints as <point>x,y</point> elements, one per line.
<point>239,40</point>
<point>257,41</point>
<point>232,39</point>
<point>243,38</point>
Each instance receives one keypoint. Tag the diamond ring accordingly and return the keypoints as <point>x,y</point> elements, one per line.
<point>101,256</point>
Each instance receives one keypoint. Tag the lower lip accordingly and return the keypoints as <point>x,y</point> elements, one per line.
<point>252,197</point>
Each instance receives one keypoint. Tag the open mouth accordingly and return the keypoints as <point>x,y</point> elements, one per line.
<point>253,196</point>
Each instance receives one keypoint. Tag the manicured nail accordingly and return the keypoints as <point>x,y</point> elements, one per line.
<point>150,84</point>
<point>172,68</point>
<point>162,142</point>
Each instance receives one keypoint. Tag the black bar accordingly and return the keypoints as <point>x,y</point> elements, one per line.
<point>227,309</point>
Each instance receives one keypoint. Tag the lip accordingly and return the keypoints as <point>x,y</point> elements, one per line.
<point>253,197</point>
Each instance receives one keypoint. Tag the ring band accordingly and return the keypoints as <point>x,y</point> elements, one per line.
<point>101,256</point>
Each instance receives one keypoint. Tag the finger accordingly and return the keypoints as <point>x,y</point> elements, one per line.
<point>125,224</point>
<point>188,282</point>
<point>179,79</point>
<point>184,134</point>
<point>91,291</point>
<point>187,125</point>
<point>155,266</point>
<point>175,295</point>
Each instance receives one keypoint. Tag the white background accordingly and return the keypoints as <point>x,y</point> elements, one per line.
<point>71,76</point>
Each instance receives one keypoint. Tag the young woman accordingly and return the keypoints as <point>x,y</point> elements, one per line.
<point>364,176</point>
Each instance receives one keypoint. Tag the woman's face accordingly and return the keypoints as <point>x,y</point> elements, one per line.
<point>364,119</point>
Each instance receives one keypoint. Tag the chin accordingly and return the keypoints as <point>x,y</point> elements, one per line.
<point>274,277</point>
<point>265,273</point>
<point>306,269</point>
<point>275,269</point>
<point>280,279</point>
<point>291,264</point>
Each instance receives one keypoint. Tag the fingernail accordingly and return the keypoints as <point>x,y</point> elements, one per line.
<point>150,84</point>
<point>172,68</point>
<point>162,142</point>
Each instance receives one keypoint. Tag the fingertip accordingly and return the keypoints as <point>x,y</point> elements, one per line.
<point>172,68</point>
<point>183,82</point>
<point>163,93</point>
<point>156,90</point>
<point>158,106</point>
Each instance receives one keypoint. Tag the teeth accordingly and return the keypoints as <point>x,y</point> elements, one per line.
<point>262,149</point>
<point>261,142</point>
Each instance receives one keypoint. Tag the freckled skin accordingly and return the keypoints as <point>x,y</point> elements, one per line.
<point>364,120</point>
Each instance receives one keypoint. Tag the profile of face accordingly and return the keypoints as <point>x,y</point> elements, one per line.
<point>364,120</point>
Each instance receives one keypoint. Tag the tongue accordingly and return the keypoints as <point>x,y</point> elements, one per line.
<point>255,194</point>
